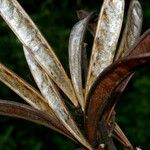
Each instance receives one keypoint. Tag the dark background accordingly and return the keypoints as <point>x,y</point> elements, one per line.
<point>55,19</point>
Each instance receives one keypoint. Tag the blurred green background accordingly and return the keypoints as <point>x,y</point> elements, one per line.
<point>55,19</point>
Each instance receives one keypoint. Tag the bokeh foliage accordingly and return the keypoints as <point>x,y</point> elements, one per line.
<point>55,19</point>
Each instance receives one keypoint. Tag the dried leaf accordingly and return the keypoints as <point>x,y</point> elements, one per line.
<point>28,93</point>
<point>132,30</point>
<point>100,93</point>
<point>30,36</point>
<point>76,46</point>
<point>55,101</point>
<point>19,110</point>
<point>106,38</point>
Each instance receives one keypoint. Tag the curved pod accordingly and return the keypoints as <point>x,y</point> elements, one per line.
<point>30,36</point>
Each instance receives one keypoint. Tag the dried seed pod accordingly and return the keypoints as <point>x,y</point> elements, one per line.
<point>109,111</point>
<point>76,48</point>
<point>115,97</point>
<point>102,89</point>
<point>28,93</point>
<point>106,38</point>
<point>132,29</point>
<point>19,110</point>
<point>122,138</point>
<point>130,35</point>
<point>30,36</point>
<point>55,101</point>
<point>23,89</point>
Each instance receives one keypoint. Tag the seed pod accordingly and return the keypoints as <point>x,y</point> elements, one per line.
<point>106,38</point>
<point>99,95</point>
<point>76,48</point>
<point>19,110</point>
<point>28,93</point>
<point>55,101</point>
<point>132,29</point>
<point>30,36</point>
